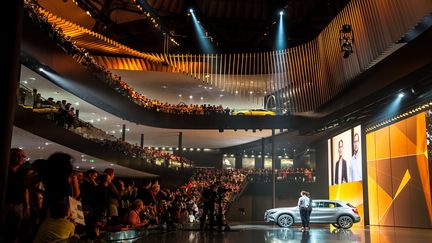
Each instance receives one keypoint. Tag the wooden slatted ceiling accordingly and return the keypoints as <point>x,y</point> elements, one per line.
<point>306,76</point>
<point>315,71</point>
<point>94,41</point>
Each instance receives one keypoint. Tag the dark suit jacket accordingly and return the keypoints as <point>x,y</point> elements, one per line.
<point>344,172</point>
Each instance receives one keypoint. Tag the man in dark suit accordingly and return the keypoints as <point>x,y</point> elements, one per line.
<point>341,171</point>
<point>208,197</point>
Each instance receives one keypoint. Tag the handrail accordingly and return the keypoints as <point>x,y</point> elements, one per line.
<point>237,196</point>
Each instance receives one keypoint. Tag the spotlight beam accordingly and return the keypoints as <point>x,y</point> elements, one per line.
<point>203,40</point>
<point>280,35</point>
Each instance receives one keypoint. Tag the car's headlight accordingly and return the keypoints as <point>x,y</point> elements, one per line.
<point>271,211</point>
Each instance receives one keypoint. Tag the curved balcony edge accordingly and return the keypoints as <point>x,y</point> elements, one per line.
<point>40,126</point>
<point>39,50</point>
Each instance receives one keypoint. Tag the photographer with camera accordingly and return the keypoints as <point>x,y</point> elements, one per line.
<point>208,197</point>
<point>221,190</point>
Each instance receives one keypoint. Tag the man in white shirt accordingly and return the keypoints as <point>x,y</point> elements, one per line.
<point>355,167</point>
<point>303,204</point>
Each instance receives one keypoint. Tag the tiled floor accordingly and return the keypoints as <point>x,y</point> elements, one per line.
<point>268,233</point>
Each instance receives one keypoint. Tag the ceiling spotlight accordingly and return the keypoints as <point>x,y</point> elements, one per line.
<point>401,95</point>
<point>281,12</point>
<point>41,69</point>
<point>191,10</point>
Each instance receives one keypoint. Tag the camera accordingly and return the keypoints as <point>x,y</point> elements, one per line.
<point>222,190</point>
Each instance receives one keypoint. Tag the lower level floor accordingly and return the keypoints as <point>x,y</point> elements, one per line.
<point>248,233</point>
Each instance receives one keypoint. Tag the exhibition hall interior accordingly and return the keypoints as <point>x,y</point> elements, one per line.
<point>217,121</point>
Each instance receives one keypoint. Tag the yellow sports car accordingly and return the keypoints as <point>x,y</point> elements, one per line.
<point>254,112</point>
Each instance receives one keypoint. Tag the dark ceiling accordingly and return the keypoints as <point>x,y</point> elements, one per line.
<point>234,25</point>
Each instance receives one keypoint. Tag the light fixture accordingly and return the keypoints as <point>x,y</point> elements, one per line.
<point>346,39</point>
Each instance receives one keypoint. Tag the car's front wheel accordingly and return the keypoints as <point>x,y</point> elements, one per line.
<point>285,220</point>
<point>345,222</point>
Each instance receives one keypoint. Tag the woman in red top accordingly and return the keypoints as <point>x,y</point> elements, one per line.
<point>133,217</point>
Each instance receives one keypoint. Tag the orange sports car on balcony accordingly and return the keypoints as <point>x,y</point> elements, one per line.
<point>254,112</point>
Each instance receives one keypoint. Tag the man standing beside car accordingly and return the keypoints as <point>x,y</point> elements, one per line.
<point>303,204</point>
<point>309,209</point>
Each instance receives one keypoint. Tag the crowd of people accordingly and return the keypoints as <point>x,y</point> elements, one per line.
<point>34,11</point>
<point>282,175</point>
<point>63,114</point>
<point>40,194</point>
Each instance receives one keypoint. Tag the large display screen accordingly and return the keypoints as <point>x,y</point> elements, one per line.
<point>228,162</point>
<point>286,163</point>
<point>267,163</point>
<point>248,163</point>
<point>345,168</point>
<point>346,160</point>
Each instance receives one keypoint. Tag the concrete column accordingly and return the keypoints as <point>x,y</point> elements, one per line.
<point>10,79</point>
<point>262,152</point>
<point>180,144</point>
<point>273,152</point>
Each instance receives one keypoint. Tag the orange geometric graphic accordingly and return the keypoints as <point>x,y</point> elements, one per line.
<point>400,146</point>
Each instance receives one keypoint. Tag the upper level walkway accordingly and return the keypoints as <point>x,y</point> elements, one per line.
<point>64,71</point>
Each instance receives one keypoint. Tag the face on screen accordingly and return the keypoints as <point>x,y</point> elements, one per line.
<point>340,148</point>
<point>356,143</point>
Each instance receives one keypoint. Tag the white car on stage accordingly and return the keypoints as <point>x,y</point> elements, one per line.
<point>338,213</point>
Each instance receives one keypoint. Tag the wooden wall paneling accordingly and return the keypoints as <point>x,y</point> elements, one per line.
<point>311,88</point>
<point>236,73</point>
<point>283,77</point>
<point>304,75</point>
<point>280,77</point>
<point>241,78</point>
<point>227,75</point>
<point>271,74</point>
<point>295,80</point>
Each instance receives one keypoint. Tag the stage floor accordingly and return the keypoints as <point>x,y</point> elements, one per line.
<point>249,233</point>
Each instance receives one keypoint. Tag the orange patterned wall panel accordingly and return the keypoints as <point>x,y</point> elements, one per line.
<point>398,174</point>
<point>398,139</point>
<point>382,140</point>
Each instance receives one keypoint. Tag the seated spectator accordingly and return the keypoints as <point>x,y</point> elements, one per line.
<point>133,217</point>
<point>58,227</point>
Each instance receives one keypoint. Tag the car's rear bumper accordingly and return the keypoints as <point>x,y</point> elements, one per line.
<point>357,219</point>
